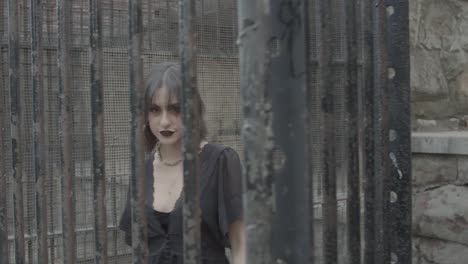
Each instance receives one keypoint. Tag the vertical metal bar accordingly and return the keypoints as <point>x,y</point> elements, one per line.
<point>168,44</point>
<point>139,238</point>
<point>97,130</point>
<point>218,26</point>
<point>287,89</point>
<point>149,22</point>
<point>353,179</point>
<point>376,193</point>
<point>38,130</point>
<point>112,26</point>
<point>327,84</point>
<point>315,120</point>
<point>254,22</point>
<point>67,183</point>
<point>114,214</point>
<point>397,30</point>
<point>4,247</point>
<point>15,129</point>
<point>368,136</point>
<point>191,138</point>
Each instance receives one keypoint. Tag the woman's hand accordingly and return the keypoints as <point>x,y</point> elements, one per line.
<point>237,239</point>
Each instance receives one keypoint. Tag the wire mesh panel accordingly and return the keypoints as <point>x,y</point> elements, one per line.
<point>216,27</point>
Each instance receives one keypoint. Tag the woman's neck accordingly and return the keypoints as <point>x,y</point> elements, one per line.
<point>170,153</point>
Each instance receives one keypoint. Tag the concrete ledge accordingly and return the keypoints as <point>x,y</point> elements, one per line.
<point>453,142</point>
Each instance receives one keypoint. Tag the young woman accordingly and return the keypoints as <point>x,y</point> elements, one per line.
<point>220,180</point>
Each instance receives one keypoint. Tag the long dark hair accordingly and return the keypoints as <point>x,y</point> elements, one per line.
<point>167,74</point>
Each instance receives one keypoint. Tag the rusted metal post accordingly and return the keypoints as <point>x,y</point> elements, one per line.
<point>327,84</point>
<point>191,138</point>
<point>136,87</point>
<point>376,192</point>
<point>65,133</point>
<point>15,129</point>
<point>352,93</point>
<point>288,89</point>
<point>97,130</point>
<point>398,86</point>
<point>39,147</point>
<point>4,244</point>
<point>254,19</point>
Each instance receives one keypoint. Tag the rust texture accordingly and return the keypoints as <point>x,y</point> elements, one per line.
<point>288,87</point>
<point>136,89</point>
<point>38,130</point>
<point>191,209</point>
<point>327,84</point>
<point>398,82</point>
<point>376,151</point>
<point>254,18</point>
<point>65,132</point>
<point>353,84</point>
<point>97,131</point>
<point>15,129</point>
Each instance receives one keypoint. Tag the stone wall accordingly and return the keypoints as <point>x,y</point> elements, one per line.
<point>439,59</point>
<point>440,200</point>
<point>439,85</point>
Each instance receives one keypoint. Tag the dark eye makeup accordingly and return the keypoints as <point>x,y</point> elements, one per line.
<point>154,108</point>
<point>175,108</point>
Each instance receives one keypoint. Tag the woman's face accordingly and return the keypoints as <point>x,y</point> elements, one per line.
<point>164,118</point>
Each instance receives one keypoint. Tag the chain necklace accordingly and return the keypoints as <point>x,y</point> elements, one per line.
<point>157,155</point>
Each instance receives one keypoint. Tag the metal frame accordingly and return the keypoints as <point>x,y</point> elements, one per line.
<point>191,138</point>
<point>97,119</point>
<point>15,129</point>
<point>255,58</point>
<point>282,85</point>
<point>136,87</point>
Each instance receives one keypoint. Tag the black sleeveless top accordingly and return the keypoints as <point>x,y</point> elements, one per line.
<point>220,203</point>
<point>163,219</point>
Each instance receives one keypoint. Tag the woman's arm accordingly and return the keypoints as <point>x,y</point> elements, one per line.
<point>237,239</point>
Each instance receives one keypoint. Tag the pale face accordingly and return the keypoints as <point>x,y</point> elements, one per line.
<point>164,118</point>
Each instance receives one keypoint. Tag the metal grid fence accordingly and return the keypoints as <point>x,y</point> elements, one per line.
<point>345,145</point>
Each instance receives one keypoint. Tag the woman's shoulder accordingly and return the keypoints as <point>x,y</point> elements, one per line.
<point>220,150</point>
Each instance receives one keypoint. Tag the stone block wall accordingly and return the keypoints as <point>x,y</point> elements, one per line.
<point>440,199</point>
<point>439,86</point>
<point>439,59</point>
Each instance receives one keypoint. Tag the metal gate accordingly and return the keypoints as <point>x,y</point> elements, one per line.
<point>314,95</point>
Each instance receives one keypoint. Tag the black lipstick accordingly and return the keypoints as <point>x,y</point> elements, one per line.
<point>166,133</point>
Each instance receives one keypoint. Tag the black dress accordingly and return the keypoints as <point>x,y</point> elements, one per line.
<point>220,203</point>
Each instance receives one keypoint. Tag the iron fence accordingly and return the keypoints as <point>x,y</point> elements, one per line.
<point>314,95</point>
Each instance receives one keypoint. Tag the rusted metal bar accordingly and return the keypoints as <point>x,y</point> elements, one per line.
<point>39,147</point>
<point>398,85</point>
<point>15,129</point>
<point>97,130</point>
<point>136,87</point>
<point>327,84</point>
<point>65,123</point>
<point>376,192</point>
<point>112,26</point>
<point>368,136</point>
<point>287,89</point>
<point>352,93</point>
<point>315,121</point>
<point>254,19</point>
<point>149,21</point>
<point>191,138</point>
<point>4,244</point>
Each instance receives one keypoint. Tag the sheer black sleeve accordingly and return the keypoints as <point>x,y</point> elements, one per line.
<point>125,222</point>
<point>229,191</point>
